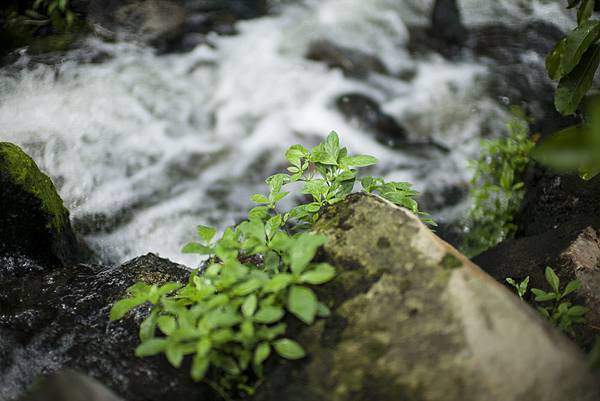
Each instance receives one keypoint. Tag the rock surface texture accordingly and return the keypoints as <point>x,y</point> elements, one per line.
<point>414,320</point>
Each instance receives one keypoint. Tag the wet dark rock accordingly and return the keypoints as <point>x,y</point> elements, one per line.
<point>446,24</point>
<point>60,319</point>
<point>68,385</point>
<point>353,63</point>
<point>365,113</point>
<point>34,224</point>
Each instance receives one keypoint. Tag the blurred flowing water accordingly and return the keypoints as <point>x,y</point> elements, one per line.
<point>143,147</point>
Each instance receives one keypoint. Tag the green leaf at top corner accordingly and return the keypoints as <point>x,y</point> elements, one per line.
<point>585,11</point>
<point>574,86</point>
<point>577,42</point>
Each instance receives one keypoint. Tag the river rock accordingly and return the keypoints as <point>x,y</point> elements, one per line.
<point>412,319</point>
<point>365,113</point>
<point>34,224</point>
<point>60,320</point>
<point>353,63</point>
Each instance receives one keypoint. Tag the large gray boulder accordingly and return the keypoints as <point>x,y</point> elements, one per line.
<point>412,319</point>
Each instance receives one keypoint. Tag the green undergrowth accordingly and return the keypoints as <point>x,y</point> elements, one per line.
<point>233,315</point>
<point>497,187</point>
<point>554,304</point>
<point>26,174</point>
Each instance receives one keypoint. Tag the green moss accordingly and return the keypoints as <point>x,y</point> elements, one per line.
<point>450,262</point>
<point>26,174</point>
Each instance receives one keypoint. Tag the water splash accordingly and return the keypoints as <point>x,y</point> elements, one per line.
<point>143,147</point>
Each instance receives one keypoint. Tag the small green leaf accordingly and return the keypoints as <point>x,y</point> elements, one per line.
<point>206,233</point>
<point>360,161</point>
<point>151,347</point>
<point>323,310</point>
<point>166,324</point>
<point>332,145</point>
<point>249,305</point>
<point>194,247</point>
<point>573,86</point>
<point>262,352</point>
<point>543,296</point>
<point>577,310</point>
<point>268,314</point>
<point>303,250</point>
<point>258,198</point>
<point>554,59</point>
<point>552,278</point>
<point>199,367</point>
<point>322,273</point>
<point>174,354</point>
<point>302,302</point>
<point>123,306</point>
<point>585,11</point>
<point>259,212</point>
<point>247,287</point>
<point>278,282</point>
<point>289,349</point>
<point>572,286</point>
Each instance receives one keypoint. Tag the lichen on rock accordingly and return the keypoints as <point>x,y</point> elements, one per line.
<point>27,175</point>
<point>412,319</point>
<point>33,219</point>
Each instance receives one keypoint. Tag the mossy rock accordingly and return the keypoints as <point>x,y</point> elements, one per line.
<point>413,320</point>
<point>33,219</point>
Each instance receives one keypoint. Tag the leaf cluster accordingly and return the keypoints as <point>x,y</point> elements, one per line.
<point>574,62</point>
<point>561,312</point>
<point>329,174</point>
<point>232,316</point>
<point>553,303</point>
<point>521,288</point>
<point>497,189</point>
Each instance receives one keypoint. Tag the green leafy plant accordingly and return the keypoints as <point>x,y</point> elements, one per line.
<point>232,316</point>
<point>521,288</point>
<point>574,62</point>
<point>497,189</point>
<point>561,312</point>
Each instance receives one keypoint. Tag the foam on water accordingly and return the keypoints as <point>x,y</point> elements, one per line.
<point>145,147</point>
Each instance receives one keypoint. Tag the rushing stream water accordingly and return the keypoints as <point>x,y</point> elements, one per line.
<point>143,147</point>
